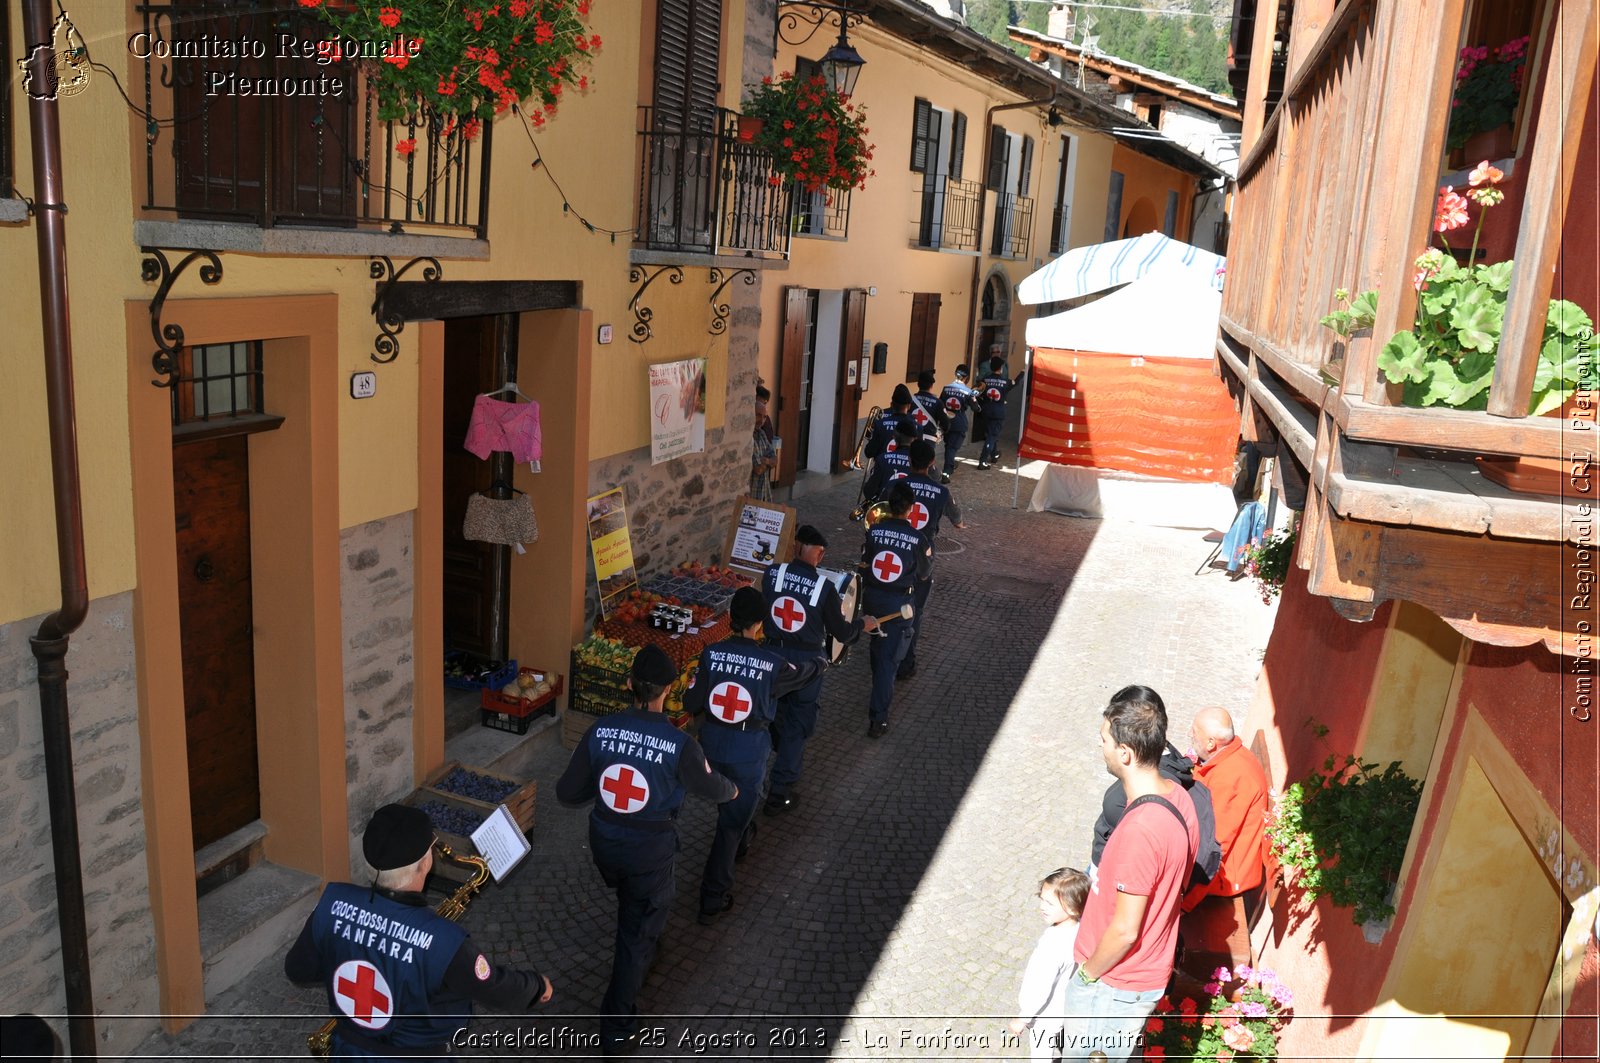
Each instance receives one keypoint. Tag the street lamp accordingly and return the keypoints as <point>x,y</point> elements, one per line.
<point>842,64</point>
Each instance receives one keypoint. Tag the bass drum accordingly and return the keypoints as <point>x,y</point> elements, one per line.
<point>849,598</point>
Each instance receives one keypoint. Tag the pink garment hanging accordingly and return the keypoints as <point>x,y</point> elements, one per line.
<point>510,426</point>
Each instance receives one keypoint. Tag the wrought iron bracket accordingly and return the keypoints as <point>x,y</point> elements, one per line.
<point>155,268</point>
<point>385,349</point>
<point>791,17</point>
<point>640,332</point>
<point>720,311</point>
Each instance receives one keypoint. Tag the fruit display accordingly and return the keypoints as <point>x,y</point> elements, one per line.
<point>468,783</point>
<point>674,618</point>
<point>452,818</point>
<point>608,655</point>
<point>721,575</point>
<point>531,684</point>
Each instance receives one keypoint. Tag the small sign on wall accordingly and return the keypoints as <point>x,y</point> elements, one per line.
<point>605,334</point>
<point>363,385</point>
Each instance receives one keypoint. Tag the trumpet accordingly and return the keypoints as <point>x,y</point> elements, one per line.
<point>859,461</point>
<point>453,907</point>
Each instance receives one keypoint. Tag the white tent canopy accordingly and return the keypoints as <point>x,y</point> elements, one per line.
<point>1086,270</point>
<point>1167,315</point>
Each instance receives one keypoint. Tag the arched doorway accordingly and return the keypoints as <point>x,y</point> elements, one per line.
<point>994,322</point>
<point>1142,219</point>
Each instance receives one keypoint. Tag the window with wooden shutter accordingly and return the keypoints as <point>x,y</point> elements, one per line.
<point>958,144</point>
<point>1024,177</point>
<point>922,135</point>
<point>688,55</point>
<point>922,345</point>
<point>1114,207</point>
<point>999,159</point>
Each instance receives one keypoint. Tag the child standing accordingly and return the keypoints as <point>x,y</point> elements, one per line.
<point>1042,999</point>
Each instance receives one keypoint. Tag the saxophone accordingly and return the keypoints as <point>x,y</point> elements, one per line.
<point>453,907</point>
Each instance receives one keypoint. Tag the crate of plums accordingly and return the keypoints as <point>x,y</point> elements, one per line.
<point>480,790</point>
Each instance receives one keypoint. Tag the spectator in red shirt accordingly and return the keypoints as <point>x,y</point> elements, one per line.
<point>1238,787</point>
<point>1130,921</point>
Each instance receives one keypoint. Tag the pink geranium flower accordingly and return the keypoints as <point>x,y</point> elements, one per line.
<point>1238,1038</point>
<point>1451,210</point>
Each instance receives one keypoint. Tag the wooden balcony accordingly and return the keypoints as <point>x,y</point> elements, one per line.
<point>1337,191</point>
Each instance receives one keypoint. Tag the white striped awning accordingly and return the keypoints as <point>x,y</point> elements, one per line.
<point>1086,270</point>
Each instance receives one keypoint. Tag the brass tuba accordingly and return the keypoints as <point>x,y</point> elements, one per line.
<point>453,907</point>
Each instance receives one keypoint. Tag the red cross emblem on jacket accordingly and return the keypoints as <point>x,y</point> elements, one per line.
<point>623,789</point>
<point>918,516</point>
<point>731,702</point>
<point>887,566</point>
<point>788,614</point>
<point>362,994</point>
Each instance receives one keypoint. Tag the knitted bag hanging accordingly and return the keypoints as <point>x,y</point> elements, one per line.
<point>507,521</point>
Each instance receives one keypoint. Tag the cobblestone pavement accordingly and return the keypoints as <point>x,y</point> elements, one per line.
<point>891,913</point>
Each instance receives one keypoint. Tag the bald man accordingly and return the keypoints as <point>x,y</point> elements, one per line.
<point>1239,798</point>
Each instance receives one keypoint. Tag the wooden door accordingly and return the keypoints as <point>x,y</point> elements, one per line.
<point>211,493</point>
<point>477,576</point>
<point>791,363</point>
<point>848,406</point>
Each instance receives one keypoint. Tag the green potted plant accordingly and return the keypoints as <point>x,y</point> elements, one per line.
<point>816,137</point>
<point>1488,86</point>
<point>1447,357</point>
<point>1267,562</point>
<point>450,63</point>
<point>1238,1016</point>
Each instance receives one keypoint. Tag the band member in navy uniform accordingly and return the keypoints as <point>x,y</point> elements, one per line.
<point>992,390</point>
<point>888,421</point>
<point>894,463</point>
<point>926,409</point>
<point>802,606</point>
<point>934,502</point>
<point>737,688</point>
<point>636,766</point>
<point>957,399</point>
<point>894,557</point>
<point>401,979</point>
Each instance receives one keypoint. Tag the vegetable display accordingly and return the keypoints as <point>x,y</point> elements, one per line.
<point>469,783</point>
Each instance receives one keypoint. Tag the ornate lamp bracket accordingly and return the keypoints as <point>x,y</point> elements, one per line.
<point>390,324</point>
<point>155,268</point>
<point>642,314</point>
<point>797,21</point>
<point>720,311</point>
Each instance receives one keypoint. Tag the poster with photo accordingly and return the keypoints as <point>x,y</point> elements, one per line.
<point>677,409</point>
<point>761,533</point>
<point>613,549</point>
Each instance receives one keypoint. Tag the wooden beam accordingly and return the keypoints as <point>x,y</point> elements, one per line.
<point>1309,41</point>
<point>424,300</point>
<point>1528,437</point>
<point>1336,25</point>
<point>1255,95</point>
<point>1563,111</point>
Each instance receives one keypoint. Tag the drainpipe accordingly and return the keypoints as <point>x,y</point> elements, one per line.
<point>50,643</point>
<point>977,263</point>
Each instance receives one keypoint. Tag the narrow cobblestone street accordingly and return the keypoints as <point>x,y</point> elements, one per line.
<point>891,913</point>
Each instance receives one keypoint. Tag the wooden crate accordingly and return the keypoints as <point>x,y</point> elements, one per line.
<point>574,725</point>
<point>520,802</point>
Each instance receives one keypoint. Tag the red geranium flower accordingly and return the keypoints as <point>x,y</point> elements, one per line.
<point>406,146</point>
<point>389,16</point>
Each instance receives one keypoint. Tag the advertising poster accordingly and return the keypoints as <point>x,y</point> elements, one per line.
<point>613,551</point>
<point>762,532</point>
<point>677,409</point>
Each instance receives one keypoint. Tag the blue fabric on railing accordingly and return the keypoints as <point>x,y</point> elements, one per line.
<point>1248,528</point>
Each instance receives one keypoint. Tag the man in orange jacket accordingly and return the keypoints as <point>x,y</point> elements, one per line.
<point>1238,787</point>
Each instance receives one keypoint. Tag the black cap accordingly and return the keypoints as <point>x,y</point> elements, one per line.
<point>652,665</point>
<point>807,535</point>
<point>748,608</point>
<point>901,396</point>
<point>397,836</point>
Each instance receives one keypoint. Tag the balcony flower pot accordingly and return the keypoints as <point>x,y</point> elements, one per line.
<point>1488,89</point>
<point>453,69</point>
<point>1492,144</point>
<point>816,137</point>
<point>750,127</point>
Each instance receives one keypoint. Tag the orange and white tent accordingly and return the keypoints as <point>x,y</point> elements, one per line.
<point>1127,383</point>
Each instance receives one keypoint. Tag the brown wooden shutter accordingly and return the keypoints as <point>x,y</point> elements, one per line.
<point>921,134</point>
<point>999,156</point>
<point>1025,176</point>
<point>791,361</point>
<point>849,404</point>
<point>924,337</point>
<point>958,144</point>
<point>930,339</point>
<point>688,54</point>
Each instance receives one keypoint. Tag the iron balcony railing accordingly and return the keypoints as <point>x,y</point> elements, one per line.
<point>1013,225</point>
<point>825,212</point>
<point>704,190</point>
<point>950,213</point>
<point>275,138</point>
<point>1058,229</point>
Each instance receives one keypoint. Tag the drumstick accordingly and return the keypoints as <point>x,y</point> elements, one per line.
<point>905,613</point>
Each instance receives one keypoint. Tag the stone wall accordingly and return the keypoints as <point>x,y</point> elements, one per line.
<point>375,587</point>
<point>103,704</point>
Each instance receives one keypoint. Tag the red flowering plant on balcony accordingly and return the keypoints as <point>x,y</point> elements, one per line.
<point>1237,1018</point>
<point>1447,357</point>
<point>449,62</point>
<point>816,137</point>
<point>1488,86</point>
